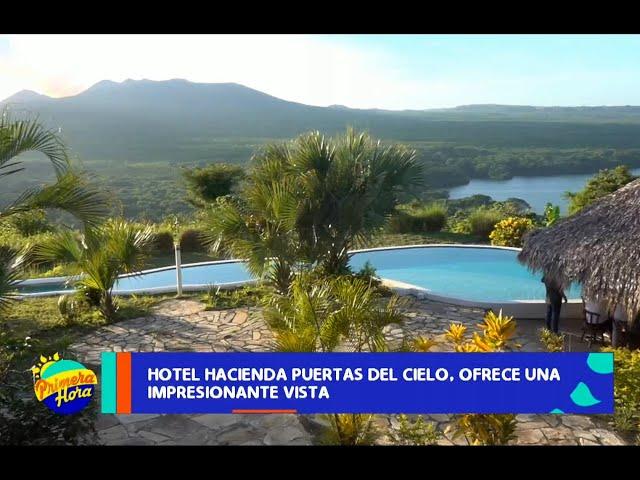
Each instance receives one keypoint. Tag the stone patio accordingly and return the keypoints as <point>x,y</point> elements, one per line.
<point>185,325</point>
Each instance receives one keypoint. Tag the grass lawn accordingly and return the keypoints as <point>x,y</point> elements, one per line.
<point>49,332</point>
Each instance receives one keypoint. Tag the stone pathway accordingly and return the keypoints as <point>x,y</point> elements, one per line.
<point>185,325</point>
<point>429,319</point>
<point>181,325</point>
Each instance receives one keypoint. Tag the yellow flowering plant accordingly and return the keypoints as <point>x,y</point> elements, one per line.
<point>510,231</point>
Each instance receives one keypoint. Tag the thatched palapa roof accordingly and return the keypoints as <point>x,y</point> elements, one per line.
<point>598,247</point>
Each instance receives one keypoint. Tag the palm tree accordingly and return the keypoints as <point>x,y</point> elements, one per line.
<point>98,256</point>
<point>70,192</point>
<point>305,203</point>
<point>322,314</point>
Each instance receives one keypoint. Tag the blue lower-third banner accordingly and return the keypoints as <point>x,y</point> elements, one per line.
<point>173,382</point>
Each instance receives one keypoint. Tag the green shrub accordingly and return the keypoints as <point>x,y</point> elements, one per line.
<point>192,240</point>
<point>30,223</point>
<point>551,214</point>
<point>248,296</point>
<point>206,184</point>
<point>417,432</point>
<point>510,231</point>
<point>603,183</point>
<point>70,307</point>
<point>626,388</point>
<point>351,429</point>
<point>418,219</point>
<point>552,341</point>
<point>482,222</point>
<point>432,218</point>
<point>485,429</point>
<point>400,222</point>
<point>162,242</point>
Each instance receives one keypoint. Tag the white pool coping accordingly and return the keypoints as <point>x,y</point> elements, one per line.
<point>518,308</point>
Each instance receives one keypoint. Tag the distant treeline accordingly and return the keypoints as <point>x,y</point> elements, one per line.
<point>155,190</point>
<point>455,165</point>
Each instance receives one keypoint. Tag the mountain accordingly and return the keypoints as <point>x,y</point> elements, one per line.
<point>177,120</point>
<point>136,134</point>
<point>25,96</point>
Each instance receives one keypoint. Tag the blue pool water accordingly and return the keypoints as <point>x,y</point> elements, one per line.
<point>478,274</point>
<point>198,275</point>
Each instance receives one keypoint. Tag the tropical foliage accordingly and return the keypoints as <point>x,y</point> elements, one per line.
<point>605,182</point>
<point>483,220</point>
<point>320,315</point>
<point>485,429</point>
<point>418,218</point>
<point>9,274</point>
<point>70,192</point>
<point>98,257</point>
<point>552,341</point>
<point>306,202</point>
<point>205,184</point>
<point>351,429</point>
<point>551,214</point>
<point>416,432</point>
<point>496,334</point>
<point>626,388</point>
<point>510,231</point>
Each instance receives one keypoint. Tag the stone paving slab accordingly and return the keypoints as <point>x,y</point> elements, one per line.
<point>185,325</point>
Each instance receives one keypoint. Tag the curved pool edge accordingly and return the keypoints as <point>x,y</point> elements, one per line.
<point>150,290</point>
<point>524,309</point>
<point>521,309</point>
<point>432,245</point>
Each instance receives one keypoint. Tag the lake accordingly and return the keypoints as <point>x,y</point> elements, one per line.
<point>536,191</point>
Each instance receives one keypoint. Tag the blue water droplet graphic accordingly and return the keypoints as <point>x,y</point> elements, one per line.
<point>583,397</point>
<point>601,362</point>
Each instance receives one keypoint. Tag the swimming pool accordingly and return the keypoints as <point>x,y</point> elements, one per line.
<point>471,273</point>
<point>474,273</point>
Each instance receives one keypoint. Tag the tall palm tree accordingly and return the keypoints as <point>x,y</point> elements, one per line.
<point>306,202</point>
<point>71,192</point>
<point>98,257</point>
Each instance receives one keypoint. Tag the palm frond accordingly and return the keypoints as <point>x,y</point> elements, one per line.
<point>126,245</point>
<point>9,276</point>
<point>27,135</point>
<point>71,193</point>
<point>64,247</point>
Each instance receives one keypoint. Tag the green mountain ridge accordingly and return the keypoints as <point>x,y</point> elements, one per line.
<point>137,134</point>
<point>139,120</point>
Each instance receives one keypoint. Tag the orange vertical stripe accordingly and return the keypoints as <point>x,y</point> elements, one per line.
<point>123,387</point>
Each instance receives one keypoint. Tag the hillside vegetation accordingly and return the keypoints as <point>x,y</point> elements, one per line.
<point>136,136</point>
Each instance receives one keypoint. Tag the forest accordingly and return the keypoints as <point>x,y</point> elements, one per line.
<point>136,137</point>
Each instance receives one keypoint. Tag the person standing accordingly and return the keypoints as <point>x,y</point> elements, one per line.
<point>555,296</point>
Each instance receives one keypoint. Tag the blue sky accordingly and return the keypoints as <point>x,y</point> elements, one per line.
<point>364,71</point>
